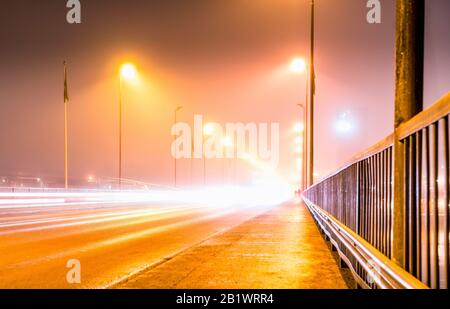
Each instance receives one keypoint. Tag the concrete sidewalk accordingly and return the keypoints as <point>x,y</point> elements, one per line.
<point>279,249</point>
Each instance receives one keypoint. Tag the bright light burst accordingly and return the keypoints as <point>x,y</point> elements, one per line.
<point>298,65</point>
<point>299,127</point>
<point>128,71</point>
<point>344,125</point>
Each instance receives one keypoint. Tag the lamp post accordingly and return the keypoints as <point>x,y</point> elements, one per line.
<point>312,91</point>
<point>66,99</point>
<point>127,71</point>
<point>179,108</point>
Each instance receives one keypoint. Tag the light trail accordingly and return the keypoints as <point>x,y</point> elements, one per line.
<point>80,220</point>
<point>262,193</point>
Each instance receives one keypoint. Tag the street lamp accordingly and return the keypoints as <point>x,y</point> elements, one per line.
<point>312,92</point>
<point>128,72</point>
<point>298,65</point>
<point>343,125</point>
<point>179,108</point>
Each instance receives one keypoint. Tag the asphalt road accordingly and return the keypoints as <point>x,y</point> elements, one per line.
<point>111,241</point>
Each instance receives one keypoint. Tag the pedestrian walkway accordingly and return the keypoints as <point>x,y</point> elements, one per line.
<point>282,248</point>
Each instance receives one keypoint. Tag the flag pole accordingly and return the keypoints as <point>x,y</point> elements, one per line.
<point>66,98</point>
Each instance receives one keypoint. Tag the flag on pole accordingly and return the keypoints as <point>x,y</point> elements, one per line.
<point>66,91</point>
<point>66,99</point>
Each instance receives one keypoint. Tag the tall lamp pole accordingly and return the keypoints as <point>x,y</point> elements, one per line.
<point>312,90</point>
<point>66,100</point>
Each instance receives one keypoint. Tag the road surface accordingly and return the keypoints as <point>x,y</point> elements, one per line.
<point>111,241</point>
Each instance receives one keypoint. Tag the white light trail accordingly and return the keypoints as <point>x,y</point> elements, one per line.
<point>267,190</point>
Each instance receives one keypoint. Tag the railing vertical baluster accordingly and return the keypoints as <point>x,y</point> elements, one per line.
<point>447,197</point>
<point>417,189</point>
<point>380,201</point>
<point>407,206</point>
<point>413,210</point>
<point>387,183</point>
<point>377,204</point>
<point>383,201</point>
<point>363,196</point>
<point>434,216</point>
<point>444,205</point>
<point>358,185</point>
<point>371,225</point>
<point>367,200</point>
<point>427,204</point>
<point>410,205</point>
<point>391,198</point>
<point>374,201</point>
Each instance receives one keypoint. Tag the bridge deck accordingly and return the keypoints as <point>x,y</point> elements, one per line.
<point>279,249</point>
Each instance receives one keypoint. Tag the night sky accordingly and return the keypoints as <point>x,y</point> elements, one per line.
<point>224,59</point>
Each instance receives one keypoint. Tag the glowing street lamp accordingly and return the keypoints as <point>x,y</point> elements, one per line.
<point>127,72</point>
<point>344,126</point>
<point>298,65</point>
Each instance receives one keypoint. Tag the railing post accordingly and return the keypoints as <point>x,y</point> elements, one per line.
<point>408,103</point>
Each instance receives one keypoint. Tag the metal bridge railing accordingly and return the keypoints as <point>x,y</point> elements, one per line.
<point>360,196</point>
<point>426,158</point>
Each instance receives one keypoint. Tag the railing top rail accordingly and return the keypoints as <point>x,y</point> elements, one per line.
<point>434,113</point>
